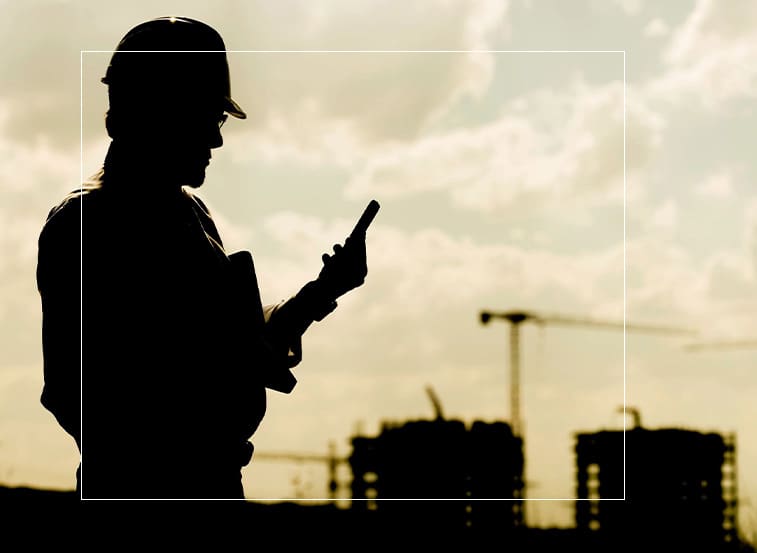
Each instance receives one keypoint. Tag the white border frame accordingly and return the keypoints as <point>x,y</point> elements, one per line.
<point>81,245</point>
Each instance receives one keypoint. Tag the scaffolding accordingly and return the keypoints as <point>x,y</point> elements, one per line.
<point>674,486</point>
<point>441,459</point>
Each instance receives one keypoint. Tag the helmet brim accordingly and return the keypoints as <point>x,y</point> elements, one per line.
<point>233,109</point>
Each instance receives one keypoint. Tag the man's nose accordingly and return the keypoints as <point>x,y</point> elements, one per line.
<point>215,139</point>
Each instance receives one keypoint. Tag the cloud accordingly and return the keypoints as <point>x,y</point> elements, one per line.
<point>750,231</point>
<point>33,177</point>
<point>315,105</point>
<point>656,28</point>
<point>665,217</point>
<point>710,28</point>
<point>718,185</point>
<point>663,280</point>
<point>716,293</point>
<point>522,159</point>
<point>710,56</point>
<point>363,95</point>
<point>731,278</point>
<point>412,270</point>
<point>630,7</point>
<point>728,300</point>
<point>304,134</point>
<point>39,69</point>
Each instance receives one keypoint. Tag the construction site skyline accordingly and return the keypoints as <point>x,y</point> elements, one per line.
<point>678,488</point>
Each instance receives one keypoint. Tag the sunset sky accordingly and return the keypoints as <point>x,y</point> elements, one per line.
<point>583,158</point>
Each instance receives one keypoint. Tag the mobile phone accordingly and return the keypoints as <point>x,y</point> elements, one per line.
<point>365,219</point>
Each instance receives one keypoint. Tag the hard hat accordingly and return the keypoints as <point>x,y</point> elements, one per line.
<point>173,60</point>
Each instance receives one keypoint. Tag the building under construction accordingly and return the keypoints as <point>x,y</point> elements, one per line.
<point>679,488</point>
<point>457,465</point>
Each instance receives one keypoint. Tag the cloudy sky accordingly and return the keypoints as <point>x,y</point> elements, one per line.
<point>589,158</point>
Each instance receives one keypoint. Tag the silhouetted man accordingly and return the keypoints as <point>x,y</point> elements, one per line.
<point>157,350</point>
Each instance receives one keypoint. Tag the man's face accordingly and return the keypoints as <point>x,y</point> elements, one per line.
<point>178,146</point>
<point>183,144</point>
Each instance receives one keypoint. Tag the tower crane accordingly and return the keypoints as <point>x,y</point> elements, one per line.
<point>331,459</point>
<point>517,318</point>
<point>744,343</point>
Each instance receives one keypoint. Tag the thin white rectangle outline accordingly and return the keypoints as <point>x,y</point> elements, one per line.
<point>81,245</point>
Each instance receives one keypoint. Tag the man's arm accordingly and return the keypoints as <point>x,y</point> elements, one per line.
<point>59,285</point>
<point>287,321</point>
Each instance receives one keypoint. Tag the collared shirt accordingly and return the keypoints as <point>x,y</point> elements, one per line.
<point>154,336</point>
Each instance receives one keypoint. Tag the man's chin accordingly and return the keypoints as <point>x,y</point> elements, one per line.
<point>195,180</point>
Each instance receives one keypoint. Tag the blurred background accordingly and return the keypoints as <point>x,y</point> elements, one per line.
<point>567,164</point>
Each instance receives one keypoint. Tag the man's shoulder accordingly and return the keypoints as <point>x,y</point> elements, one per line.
<point>69,212</point>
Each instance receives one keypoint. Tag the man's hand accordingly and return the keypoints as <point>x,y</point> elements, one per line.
<point>345,269</point>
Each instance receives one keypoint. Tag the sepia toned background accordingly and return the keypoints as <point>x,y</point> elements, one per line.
<point>589,159</point>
